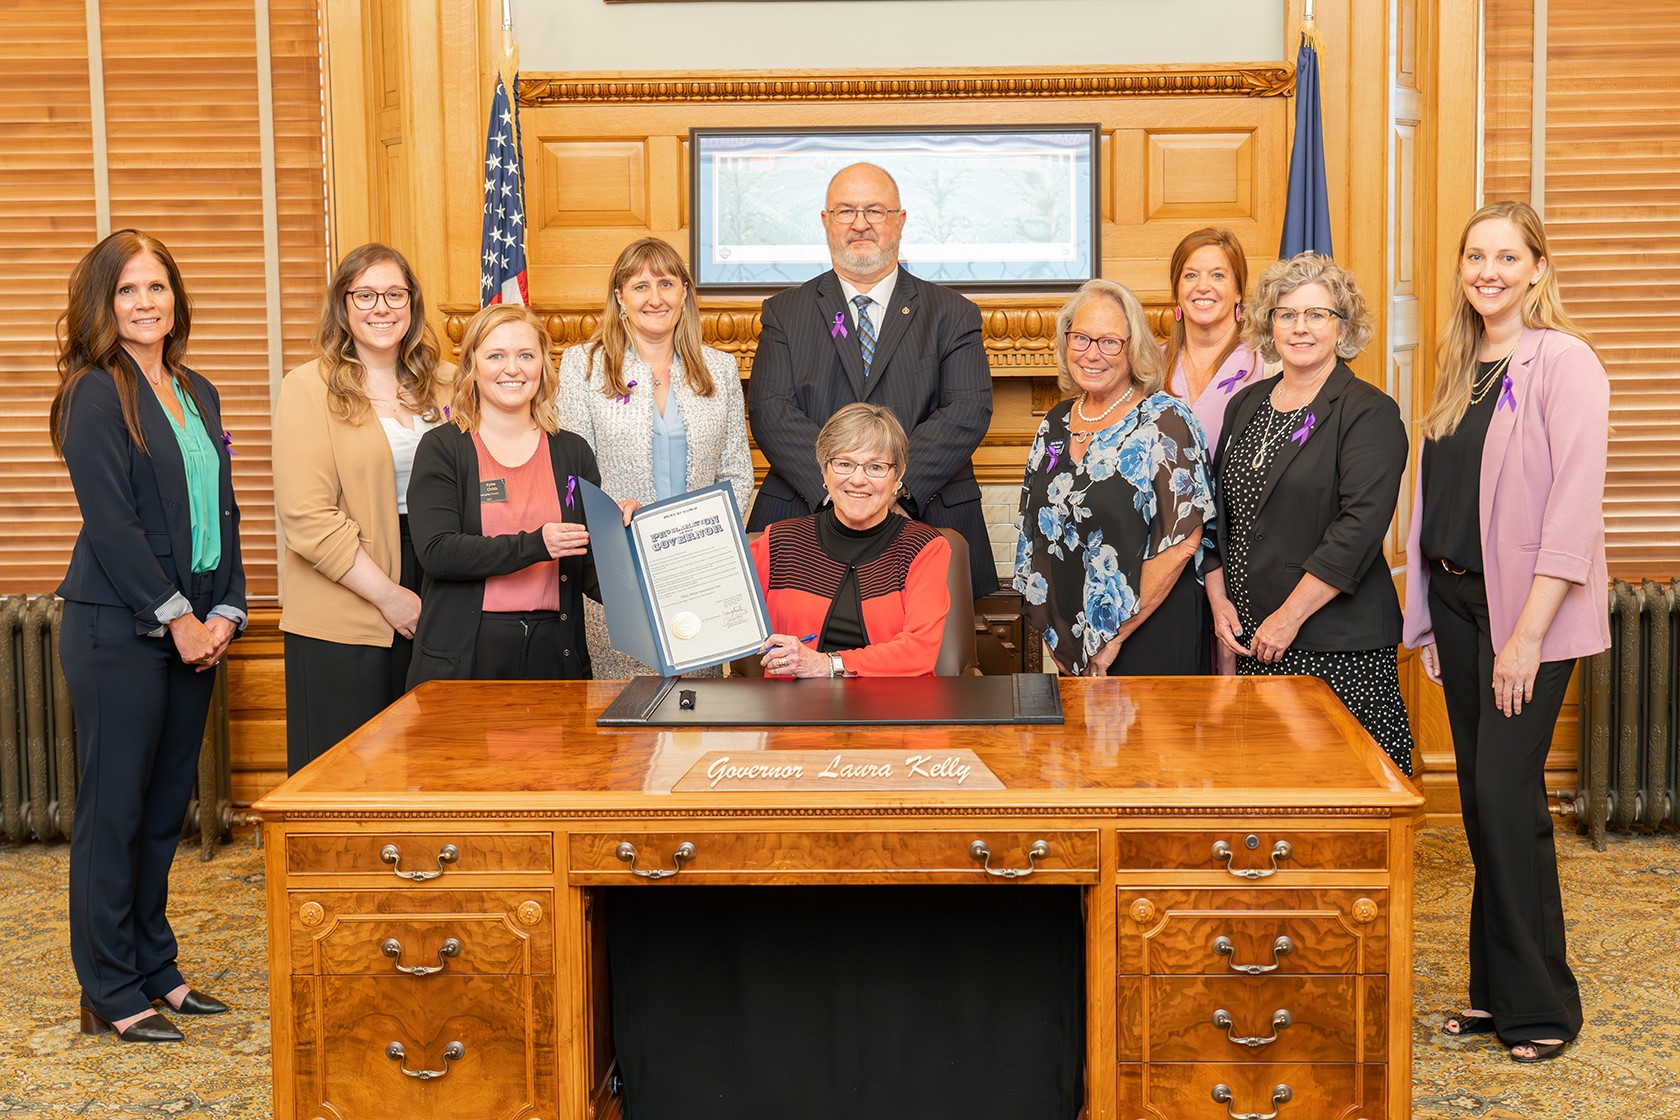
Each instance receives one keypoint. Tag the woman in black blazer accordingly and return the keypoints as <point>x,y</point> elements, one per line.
<point>1307,474</point>
<point>154,594</point>
<point>496,519</point>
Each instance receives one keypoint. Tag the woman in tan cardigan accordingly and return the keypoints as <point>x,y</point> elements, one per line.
<point>345,430</point>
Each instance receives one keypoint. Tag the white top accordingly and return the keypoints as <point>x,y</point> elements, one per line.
<point>403,441</point>
<point>880,295</point>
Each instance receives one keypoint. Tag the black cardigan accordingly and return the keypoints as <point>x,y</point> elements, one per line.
<point>1325,510</point>
<point>456,557</point>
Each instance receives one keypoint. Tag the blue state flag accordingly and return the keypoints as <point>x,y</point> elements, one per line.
<point>1306,217</point>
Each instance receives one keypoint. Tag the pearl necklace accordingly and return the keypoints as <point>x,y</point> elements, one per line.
<point>1079,410</point>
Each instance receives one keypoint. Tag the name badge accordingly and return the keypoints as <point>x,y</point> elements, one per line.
<point>492,490</point>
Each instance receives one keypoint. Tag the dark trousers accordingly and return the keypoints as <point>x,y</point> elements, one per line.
<point>139,723</point>
<point>333,688</point>
<point>1519,969</point>
<point>526,646</point>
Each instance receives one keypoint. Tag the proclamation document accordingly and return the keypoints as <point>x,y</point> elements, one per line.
<point>678,583</point>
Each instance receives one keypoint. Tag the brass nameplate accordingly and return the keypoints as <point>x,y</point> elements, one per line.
<point>793,771</point>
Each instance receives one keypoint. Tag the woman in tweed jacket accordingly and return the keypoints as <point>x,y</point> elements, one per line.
<point>663,413</point>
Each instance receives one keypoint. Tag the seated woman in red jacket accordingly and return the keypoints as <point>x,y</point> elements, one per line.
<point>855,589</point>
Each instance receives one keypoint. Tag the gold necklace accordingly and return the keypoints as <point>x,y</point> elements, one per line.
<point>1482,386</point>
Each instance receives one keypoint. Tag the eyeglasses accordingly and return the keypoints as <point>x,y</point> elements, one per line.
<point>845,468</point>
<point>874,215</point>
<point>366,299</point>
<point>1108,344</point>
<point>1316,316</point>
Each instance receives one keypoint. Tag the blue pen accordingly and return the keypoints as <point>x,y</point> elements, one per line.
<point>807,639</point>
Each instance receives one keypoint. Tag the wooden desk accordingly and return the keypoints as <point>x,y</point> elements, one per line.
<point>1169,800</point>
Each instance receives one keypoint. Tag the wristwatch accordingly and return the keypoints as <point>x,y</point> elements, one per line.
<point>836,667</point>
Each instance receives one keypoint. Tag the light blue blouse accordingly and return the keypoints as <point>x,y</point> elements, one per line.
<point>670,450</point>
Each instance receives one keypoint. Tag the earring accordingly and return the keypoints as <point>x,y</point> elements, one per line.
<point>1178,314</point>
<point>623,315</point>
<point>1239,312</point>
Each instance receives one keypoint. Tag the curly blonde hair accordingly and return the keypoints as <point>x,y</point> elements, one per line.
<point>1297,272</point>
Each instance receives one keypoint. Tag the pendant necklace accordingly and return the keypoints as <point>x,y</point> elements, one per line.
<point>1480,388</point>
<point>1266,436</point>
<point>1079,410</point>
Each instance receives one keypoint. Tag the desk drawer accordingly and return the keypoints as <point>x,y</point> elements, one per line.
<point>1187,1091</point>
<point>442,858</point>
<point>1250,855</point>
<point>1221,933</point>
<point>344,1029</point>
<point>1282,1018</point>
<point>350,933</point>
<point>1065,856</point>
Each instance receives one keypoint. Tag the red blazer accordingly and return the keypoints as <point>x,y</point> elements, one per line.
<point>904,592</point>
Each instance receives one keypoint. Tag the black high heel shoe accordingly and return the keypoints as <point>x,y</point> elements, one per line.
<point>153,1028</point>
<point>196,1002</point>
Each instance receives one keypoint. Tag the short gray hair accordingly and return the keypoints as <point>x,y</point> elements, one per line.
<point>1143,353</point>
<point>867,427</point>
<point>1298,271</point>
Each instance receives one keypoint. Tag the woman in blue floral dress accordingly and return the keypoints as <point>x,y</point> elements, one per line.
<point>1115,502</point>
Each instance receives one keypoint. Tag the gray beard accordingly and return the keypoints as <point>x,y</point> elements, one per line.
<point>867,264</point>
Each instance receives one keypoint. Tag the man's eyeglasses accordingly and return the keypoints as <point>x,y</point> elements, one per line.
<point>366,299</point>
<point>845,468</point>
<point>874,215</point>
<point>1316,317</point>
<point>1108,344</point>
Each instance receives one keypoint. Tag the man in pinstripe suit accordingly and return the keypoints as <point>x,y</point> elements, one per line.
<point>918,351</point>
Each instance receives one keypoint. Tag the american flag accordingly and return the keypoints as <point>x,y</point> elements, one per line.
<point>503,278</point>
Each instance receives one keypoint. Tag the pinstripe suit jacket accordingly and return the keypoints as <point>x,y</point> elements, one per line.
<point>929,369</point>
<point>621,433</point>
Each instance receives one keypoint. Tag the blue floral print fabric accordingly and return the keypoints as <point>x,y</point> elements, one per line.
<point>1087,527</point>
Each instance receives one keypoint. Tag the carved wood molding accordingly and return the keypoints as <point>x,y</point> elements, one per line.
<point>555,89</point>
<point>1019,337</point>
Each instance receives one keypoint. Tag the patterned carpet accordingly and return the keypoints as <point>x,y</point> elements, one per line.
<point>1623,907</point>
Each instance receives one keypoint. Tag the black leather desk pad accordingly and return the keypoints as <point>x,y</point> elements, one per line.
<point>848,702</point>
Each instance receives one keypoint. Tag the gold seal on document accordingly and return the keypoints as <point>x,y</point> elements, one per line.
<point>685,626</point>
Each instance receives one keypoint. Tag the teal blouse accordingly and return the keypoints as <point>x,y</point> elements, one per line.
<point>204,469</point>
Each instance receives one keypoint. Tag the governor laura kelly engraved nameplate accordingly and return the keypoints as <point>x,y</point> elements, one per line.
<point>865,770</point>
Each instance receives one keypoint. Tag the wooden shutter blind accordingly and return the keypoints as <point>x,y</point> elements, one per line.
<point>184,154</point>
<point>1611,197</point>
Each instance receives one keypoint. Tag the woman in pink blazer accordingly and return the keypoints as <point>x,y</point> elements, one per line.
<point>1505,589</point>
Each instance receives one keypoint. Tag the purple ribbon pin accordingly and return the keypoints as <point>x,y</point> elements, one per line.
<point>1053,453</point>
<point>571,488</point>
<point>446,412</point>
<point>1305,430</point>
<point>1230,383</point>
<point>227,442</point>
<point>838,330</point>
<point>624,398</point>
<point>1505,396</point>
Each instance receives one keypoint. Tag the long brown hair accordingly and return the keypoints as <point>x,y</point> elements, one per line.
<point>612,337</point>
<point>88,336</point>
<point>1542,307</point>
<point>1226,242</point>
<point>417,358</point>
<point>464,408</point>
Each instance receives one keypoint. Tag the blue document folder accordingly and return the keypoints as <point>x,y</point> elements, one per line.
<point>678,583</point>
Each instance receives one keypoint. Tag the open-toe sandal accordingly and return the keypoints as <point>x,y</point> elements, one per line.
<point>1543,1051</point>
<point>1467,1024</point>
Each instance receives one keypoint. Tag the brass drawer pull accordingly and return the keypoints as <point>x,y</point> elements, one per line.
<point>447,855</point>
<point>1280,850</point>
<point>685,852</point>
<point>1280,1020</point>
<point>454,1052</point>
<point>979,851</point>
<point>1222,946</point>
<point>392,948</point>
<point>1280,1095</point>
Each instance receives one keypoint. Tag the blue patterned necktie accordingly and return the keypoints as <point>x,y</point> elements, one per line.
<point>866,332</point>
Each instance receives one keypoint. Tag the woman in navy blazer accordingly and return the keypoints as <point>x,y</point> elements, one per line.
<point>154,594</point>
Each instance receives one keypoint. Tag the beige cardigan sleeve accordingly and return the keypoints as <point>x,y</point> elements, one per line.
<point>308,498</point>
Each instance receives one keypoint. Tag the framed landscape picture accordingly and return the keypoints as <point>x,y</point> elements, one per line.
<point>1001,208</point>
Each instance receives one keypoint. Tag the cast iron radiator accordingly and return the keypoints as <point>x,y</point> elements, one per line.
<point>38,770</point>
<point>1628,764</point>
